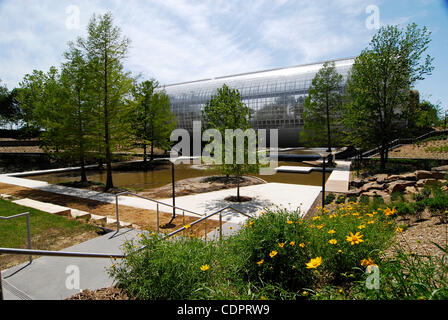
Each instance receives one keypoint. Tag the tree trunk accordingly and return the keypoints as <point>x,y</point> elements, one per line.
<point>109,182</point>
<point>328,126</point>
<point>83,170</point>
<point>144,154</point>
<point>152,151</point>
<point>382,159</point>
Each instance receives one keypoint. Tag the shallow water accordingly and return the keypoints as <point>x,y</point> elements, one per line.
<point>144,180</point>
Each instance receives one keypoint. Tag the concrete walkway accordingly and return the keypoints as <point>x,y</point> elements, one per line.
<point>287,196</point>
<point>46,278</point>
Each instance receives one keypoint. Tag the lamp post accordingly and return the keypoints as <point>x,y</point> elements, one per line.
<point>324,155</point>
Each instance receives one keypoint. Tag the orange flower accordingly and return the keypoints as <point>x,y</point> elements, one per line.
<point>354,238</point>
<point>367,262</point>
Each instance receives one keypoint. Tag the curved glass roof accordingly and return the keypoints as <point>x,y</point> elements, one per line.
<point>275,97</point>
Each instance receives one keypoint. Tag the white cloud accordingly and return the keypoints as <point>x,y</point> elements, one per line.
<point>180,40</point>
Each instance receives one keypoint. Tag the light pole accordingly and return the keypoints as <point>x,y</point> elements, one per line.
<point>324,155</point>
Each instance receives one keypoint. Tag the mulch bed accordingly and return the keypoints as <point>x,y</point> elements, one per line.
<point>111,293</point>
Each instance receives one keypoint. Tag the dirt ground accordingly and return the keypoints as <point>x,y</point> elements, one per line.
<point>420,150</point>
<point>145,219</point>
<point>200,185</point>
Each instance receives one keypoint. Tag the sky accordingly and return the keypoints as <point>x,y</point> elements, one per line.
<point>182,40</point>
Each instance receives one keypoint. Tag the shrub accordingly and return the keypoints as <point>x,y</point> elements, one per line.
<point>341,199</point>
<point>364,200</point>
<point>276,248</point>
<point>409,276</point>
<point>329,198</point>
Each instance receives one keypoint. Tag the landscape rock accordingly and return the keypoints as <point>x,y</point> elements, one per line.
<point>381,178</point>
<point>438,174</point>
<point>441,168</point>
<point>411,190</point>
<point>372,185</point>
<point>408,176</point>
<point>399,185</point>
<point>357,183</point>
<point>422,182</point>
<point>423,174</point>
<point>354,192</point>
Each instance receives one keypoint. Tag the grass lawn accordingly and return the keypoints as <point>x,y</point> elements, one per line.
<point>48,231</point>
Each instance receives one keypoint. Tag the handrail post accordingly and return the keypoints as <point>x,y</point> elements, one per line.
<point>29,234</point>
<point>116,211</point>
<point>220,226</point>
<point>158,219</point>
<point>1,288</point>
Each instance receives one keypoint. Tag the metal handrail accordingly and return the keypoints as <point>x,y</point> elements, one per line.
<point>396,142</point>
<point>31,252</point>
<point>59,253</point>
<point>207,217</point>
<point>157,208</point>
<point>27,214</point>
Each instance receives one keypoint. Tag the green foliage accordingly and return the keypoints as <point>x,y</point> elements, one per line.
<point>154,120</point>
<point>226,111</point>
<point>379,82</point>
<point>267,257</point>
<point>322,108</point>
<point>341,199</point>
<point>364,200</point>
<point>329,198</point>
<point>409,276</point>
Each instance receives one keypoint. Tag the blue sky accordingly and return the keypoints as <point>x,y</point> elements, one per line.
<point>181,40</point>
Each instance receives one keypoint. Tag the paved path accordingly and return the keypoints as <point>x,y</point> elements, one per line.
<point>46,277</point>
<point>289,196</point>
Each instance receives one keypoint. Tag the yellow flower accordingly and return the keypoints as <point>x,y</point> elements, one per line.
<point>331,231</point>
<point>251,222</point>
<point>367,262</point>
<point>320,226</point>
<point>263,298</point>
<point>316,218</point>
<point>187,226</point>
<point>273,254</point>
<point>371,222</point>
<point>369,215</point>
<point>281,245</point>
<point>333,241</point>
<point>399,229</point>
<point>292,243</point>
<point>260,262</point>
<point>289,222</point>
<point>361,227</point>
<point>389,212</point>
<point>305,293</point>
<point>205,267</point>
<point>354,238</point>
<point>314,263</point>
<point>339,251</point>
<point>302,245</point>
<point>355,214</point>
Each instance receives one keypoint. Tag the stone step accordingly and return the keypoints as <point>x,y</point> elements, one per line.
<point>123,224</point>
<point>79,214</point>
<point>98,219</point>
<point>43,206</point>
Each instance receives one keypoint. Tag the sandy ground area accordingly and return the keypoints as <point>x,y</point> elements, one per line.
<point>200,185</point>
<point>146,219</point>
<point>421,150</point>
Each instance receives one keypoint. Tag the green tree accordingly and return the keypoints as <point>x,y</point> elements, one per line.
<point>154,120</point>
<point>9,110</point>
<point>226,111</point>
<point>322,108</point>
<point>110,86</point>
<point>379,86</point>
